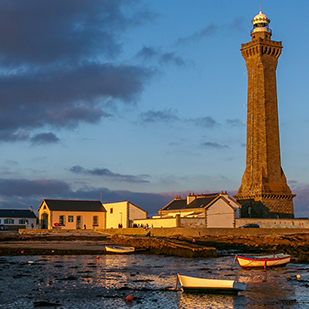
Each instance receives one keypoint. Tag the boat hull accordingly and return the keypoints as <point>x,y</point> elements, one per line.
<point>119,249</point>
<point>214,286</point>
<point>274,260</point>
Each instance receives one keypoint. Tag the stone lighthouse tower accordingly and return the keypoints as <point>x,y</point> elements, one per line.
<point>264,192</point>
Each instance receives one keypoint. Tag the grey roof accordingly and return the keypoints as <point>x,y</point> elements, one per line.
<point>74,205</point>
<point>199,202</point>
<point>16,213</point>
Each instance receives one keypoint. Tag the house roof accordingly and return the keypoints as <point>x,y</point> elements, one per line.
<point>16,213</point>
<point>73,205</point>
<point>199,202</point>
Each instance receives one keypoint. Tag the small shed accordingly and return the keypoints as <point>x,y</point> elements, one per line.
<point>71,214</point>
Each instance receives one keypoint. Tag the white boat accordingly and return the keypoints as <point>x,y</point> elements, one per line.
<point>203,285</point>
<point>119,249</point>
<point>263,261</point>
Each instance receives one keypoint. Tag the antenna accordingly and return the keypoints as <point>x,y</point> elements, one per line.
<point>260,5</point>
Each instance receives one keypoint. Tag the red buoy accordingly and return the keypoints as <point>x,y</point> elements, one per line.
<point>129,297</point>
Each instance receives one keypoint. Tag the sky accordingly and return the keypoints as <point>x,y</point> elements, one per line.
<point>141,100</point>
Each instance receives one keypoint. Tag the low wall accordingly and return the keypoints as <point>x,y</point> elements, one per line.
<point>200,231</point>
<point>275,223</point>
<point>157,223</point>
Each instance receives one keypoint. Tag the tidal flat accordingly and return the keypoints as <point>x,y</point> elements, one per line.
<point>90,281</point>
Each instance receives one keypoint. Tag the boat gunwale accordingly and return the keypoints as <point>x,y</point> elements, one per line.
<point>262,259</point>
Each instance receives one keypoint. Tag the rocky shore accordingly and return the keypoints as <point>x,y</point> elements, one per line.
<point>90,242</point>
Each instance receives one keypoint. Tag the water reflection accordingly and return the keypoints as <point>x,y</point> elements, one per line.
<point>87,282</point>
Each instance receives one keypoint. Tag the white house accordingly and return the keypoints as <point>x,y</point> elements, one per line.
<point>18,218</point>
<point>122,214</point>
<point>216,210</point>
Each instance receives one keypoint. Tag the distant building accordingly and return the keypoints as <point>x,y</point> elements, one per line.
<point>71,214</point>
<point>122,214</point>
<point>18,218</point>
<point>216,210</point>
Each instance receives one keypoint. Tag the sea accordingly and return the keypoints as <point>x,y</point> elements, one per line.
<point>105,281</point>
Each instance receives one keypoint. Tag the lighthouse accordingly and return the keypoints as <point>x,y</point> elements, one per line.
<point>264,192</point>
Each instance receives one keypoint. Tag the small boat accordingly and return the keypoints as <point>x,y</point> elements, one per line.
<point>215,286</point>
<point>119,249</point>
<point>264,261</point>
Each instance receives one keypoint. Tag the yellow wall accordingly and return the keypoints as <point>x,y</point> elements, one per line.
<point>86,219</point>
<point>163,222</point>
<point>116,213</point>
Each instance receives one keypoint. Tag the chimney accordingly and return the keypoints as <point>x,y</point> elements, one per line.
<point>190,198</point>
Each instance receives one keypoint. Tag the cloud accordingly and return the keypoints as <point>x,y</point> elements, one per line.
<point>235,122</point>
<point>214,145</point>
<point>44,138</point>
<point>23,193</point>
<point>63,98</point>
<point>56,67</point>
<point>104,172</point>
<point>167,115</point>
<point>204,122</point>
<point>212,29</point>
<point>149,53</point>
<point>44,31</point>
<point>28,188</point>
<point>197,35</point>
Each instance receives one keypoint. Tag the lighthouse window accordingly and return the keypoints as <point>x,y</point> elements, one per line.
<point>252,94</point>
<point>252,72</point>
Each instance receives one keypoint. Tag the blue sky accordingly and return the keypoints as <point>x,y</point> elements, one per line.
<point>140,100</point>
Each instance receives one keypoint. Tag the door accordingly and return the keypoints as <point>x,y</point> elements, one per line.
<point>78,222</point>
<point>44,221</point>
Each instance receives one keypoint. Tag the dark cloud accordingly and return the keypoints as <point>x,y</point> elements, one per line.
<point>172,58</point>
<point>44,138</point>
<point>149,53</point>
<point>205,122</point>
<point>212,29</point>
<point>214,145</point>
<point>23,193</point>
<point>27,188</point>
<point>301,201</point>
<point>55,62</point>
<point>63,98</point>
<point>208,31</point>
<point>166,115</point>
<point>104,172</point>
<point>44,31</point>
<point>235,122</point>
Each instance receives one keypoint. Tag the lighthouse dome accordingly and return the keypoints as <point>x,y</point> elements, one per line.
<point>261,23</point>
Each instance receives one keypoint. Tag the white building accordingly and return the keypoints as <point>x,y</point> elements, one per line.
<point>18,218</point>
<point>216,210</point>
<point>122,214</point>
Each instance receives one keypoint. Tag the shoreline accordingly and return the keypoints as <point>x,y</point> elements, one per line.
<point>88,242</point>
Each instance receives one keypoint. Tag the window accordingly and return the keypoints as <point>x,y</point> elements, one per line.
<point>22,221</point>
<point>61,220</point>
<point>70,219</point>
<point>111,210</point>
<point>9,221</point>
<point>0,220</point>
<point>95,221</point>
